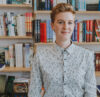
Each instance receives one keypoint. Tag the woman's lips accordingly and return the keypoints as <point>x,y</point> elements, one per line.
<point>64,32</point>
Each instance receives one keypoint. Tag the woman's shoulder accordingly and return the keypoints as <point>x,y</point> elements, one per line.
<point>44,48</point>
<point>83,49</point>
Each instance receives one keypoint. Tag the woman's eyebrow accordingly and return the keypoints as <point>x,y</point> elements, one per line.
<point>63,20</point>
<point>60,20</point>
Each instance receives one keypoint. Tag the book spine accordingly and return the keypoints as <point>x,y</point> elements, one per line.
<point>7,58</point>
<point>48,31</point>
<point>21,26</point>
<point>48,8</point>
<point>38,32</point>
<point>46,4</point>
<point>27,55</point>
<point>73,4</point>
<point>11,55</point>
<point>35,31</point>
<point>87,31</point>
<point>19,55</point>
<point>78,31</point>
<point>51,4</point>
<point>84,5</point>
<point>91,30</point>
<point>99,6</point>
<point>75,30</point>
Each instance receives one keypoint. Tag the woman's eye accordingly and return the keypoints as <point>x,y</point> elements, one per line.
<point>70,23</point>
<point>60,22</point>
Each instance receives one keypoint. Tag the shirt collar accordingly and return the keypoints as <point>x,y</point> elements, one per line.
<point>69,50</point>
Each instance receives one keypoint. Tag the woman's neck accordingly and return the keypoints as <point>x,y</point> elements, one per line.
<point>63,44</point>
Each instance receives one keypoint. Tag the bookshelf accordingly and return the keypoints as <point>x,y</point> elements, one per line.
<point>77,12</point>
<point>77,43</point>
<point>16,5</point>
<point>15,69</point>
<point>97,73</point>
<point>15,37</point>
<point>7,40</point>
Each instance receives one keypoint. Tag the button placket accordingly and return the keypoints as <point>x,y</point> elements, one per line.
<point>65,54</point>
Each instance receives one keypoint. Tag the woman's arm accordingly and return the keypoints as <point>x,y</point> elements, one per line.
<point>90,80</point>
<point>35,81</point>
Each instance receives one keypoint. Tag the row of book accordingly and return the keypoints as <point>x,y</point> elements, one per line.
<point>42,31</point>
<point>16,25</point>
<point>97,61</point>
<point>84,31</point>
<point>15,1</point>
<point>49,4</point>
<point>87,31</point>
<point>12,87</point>
<point>17,55</point>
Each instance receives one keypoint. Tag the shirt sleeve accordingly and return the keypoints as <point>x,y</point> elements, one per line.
<point>90,80</point>
<point>35,81</point>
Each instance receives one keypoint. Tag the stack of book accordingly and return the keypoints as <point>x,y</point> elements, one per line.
<point>17,55</point>
<point>49,4</point>
<point>92,7</point>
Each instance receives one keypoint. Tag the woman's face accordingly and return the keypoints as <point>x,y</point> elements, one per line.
<point>63,26</point>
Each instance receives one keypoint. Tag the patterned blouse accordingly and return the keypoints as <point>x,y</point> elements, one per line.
<point>63,72</point>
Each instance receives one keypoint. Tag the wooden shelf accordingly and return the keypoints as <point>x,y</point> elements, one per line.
<point>87,43</point>
<point>88,12</point>
<point>97,73</point>
<point>77,12</point>
<point>15,37</point>
<point>80,43</point>
<point>18,69</point>
<point>42,12</point>
<point>15,69</point>
<point>16,5</point>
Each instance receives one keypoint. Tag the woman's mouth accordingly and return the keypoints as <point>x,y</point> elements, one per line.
<point>65,32</point>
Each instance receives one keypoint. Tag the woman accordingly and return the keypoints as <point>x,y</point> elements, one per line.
<point>64,69</point>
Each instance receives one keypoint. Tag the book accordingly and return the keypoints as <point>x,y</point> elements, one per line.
<point>20,87</point>
<point>2,83</point>
<point>26,55</point>
<point>21,25</point>
<point>11,55</point>
<point>87,31</point>
<point>92,2</point>
<point>97,30</point>
<point>2,59</point>
<point>19,54</point>
<point>91,30</point>
<point>9,85</point>
<point>92,7</point>
<point>43,36</point>
<point>78,31</point>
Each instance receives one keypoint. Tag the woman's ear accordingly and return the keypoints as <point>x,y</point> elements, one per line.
<point>52,26</point>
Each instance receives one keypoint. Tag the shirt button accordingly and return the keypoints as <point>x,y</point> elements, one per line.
<point>64,83</point>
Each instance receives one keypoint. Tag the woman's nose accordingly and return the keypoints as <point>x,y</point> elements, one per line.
<point>65,26</point>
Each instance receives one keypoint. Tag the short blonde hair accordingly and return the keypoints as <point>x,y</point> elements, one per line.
<point>61,7</point>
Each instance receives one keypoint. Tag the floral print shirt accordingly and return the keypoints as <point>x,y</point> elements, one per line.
<point>63,72</point>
